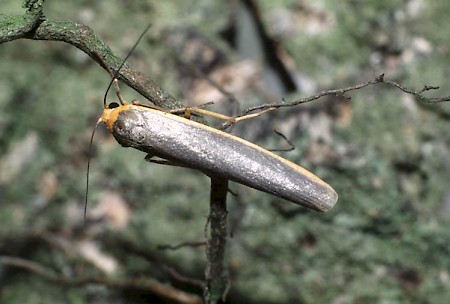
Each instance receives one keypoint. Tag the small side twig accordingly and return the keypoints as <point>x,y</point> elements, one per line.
<point>181,245</point>
<point>342,92</point>
<point>152,285</point>
<point>181,278</point>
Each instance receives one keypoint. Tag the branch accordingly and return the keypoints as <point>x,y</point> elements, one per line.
<point>33,25</point>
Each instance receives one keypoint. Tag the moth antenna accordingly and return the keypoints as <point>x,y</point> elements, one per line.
<point>105,106</point>
<point>114,76</point>
<point>88,170</point>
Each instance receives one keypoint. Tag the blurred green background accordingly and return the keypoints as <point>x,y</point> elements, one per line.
<point>388,156</point>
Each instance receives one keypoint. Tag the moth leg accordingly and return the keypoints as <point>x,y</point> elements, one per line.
<point>187,114</point>
<point>137,103</point>
<point>116,88</point>
<point>160,161</point>
<point>198,110</point>
<point>253,115</point>
<point>150,158</point>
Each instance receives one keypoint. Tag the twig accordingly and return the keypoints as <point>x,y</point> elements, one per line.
<point>341,92</point>
<point>216,279</point>
<point>181,278</point>
<point>180,245</point>
<point>152,285</point>
<point>28,265</point>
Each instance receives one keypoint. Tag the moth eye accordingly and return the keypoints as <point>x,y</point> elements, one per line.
<point>113,105</point>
